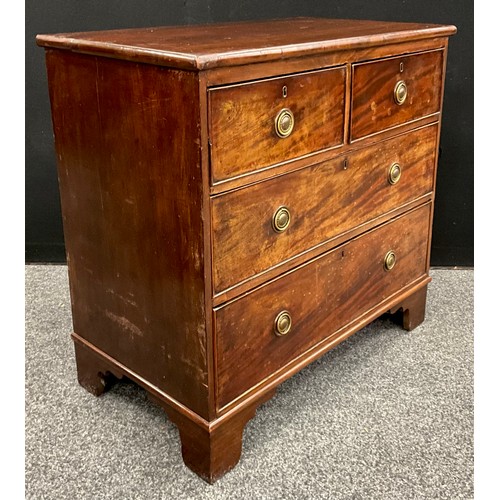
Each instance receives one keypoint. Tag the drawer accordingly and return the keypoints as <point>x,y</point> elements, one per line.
<point>320,297</point>
<point>245,121</point>
<point>323,202</point>
<point>416,79</point>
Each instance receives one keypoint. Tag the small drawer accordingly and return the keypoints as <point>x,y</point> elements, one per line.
<point>258,124</point>
<point>394,91</point>
<point>260,333</point>
<point>257,227</point>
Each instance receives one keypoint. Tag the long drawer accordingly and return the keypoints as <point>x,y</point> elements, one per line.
<point>318,203</point>
<point>257,124</point>
<point>261,332</point>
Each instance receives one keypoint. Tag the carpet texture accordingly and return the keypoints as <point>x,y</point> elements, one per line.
<point>386,415</point>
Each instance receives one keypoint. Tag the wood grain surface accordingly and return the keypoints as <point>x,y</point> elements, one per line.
<point>131,194</point>
<point>226,44</point>
<point>242,120</point>
<point>321,296</point>
<point>373,105</point>
<point>325,201</point>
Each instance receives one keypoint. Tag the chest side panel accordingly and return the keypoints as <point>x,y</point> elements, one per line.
<point>129,165</point>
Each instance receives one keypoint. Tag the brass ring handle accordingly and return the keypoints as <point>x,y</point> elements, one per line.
<point>389,260</point>
<point>284,122</point>
<point>282,323</point>
<point>394,174</point>
<point>281,219</point>
<point>400,92</point>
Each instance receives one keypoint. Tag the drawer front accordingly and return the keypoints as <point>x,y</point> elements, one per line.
<point>323,201</point>
<point>320,298</point>
<point>395,91</point>
<point>245,120</point>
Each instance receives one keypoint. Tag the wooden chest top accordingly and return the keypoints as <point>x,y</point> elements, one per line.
<point>228,44</point>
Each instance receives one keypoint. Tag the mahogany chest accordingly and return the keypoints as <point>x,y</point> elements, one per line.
<point>239,198</point>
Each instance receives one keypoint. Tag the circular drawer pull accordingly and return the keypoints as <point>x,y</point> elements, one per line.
<point>282,323</point>
<point>389,260</point>
<point>394,174</point>
<point>400,92</point>
<point>284,122</point>
<point>281,219</point>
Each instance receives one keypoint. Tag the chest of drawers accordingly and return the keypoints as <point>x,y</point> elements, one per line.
<point>239,198</point>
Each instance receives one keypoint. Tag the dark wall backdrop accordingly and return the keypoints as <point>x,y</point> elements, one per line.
<point>453,221</point>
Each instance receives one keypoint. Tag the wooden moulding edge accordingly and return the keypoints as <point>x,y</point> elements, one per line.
<point>197,62</point>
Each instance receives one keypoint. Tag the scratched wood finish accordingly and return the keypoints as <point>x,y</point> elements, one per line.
<point>373,105</point>
<point>230,44</point>
<point>325,201</point>
<point>321,297</point>
<point>131,196</point>
<point>244,115</point>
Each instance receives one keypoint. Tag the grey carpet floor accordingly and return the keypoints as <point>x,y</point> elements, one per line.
<point>386,415</point>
